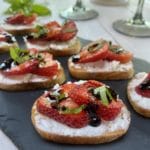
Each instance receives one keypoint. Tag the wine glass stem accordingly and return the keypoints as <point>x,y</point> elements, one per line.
<point>78,6</point>
<point>138,17</point>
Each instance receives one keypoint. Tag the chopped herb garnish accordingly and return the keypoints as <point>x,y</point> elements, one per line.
<point>27,7</point>
<point>19,55</point>
<point>116,49</point>
<point>72,110</point>
<point>40,31</point>
<point>105,94</point>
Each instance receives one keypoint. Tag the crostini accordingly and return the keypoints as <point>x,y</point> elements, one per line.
<point>23,16</point>
<point>102,60</point>
<point>59,40</point>
<point>6,41</point>
<point>19,23</point>
<point>26,70</point>
<point>139,93</point>
<point>83,112</point>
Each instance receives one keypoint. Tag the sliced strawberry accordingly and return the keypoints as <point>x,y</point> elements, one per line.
<point>61,33</point>
<point>68,104</point>
<point>123,57</point>
<point>21,19</point>
<point>49,67</point>
<point>80,95</point>
<point>111,111</point>
<point>87,56</point>
<point>72,120</point>
<point>24,68</point>
<point>92,84</point>
<point>66,88</point>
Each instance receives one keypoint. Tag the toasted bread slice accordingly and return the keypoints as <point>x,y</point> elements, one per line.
<point>71,49</point>
<point>101,70</point>
<point>57,132</point>
<point>18,30</point>
<point>30,81</point>
<point>140,104</point>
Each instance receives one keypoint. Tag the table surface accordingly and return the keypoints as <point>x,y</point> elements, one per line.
<point>101,27</point>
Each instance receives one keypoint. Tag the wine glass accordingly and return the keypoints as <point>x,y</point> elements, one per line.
<point>136,26</point>
<point>79,12</point>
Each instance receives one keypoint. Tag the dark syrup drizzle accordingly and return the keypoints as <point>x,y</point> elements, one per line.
<point>94,119</point>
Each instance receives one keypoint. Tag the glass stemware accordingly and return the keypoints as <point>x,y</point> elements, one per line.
<point>136,26</point>
<point>79,12</point>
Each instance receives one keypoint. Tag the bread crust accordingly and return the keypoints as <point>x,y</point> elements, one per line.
<point>6,48</point>
<point>35,85</point>
<point>73,49</point>
<point>105,138</point>
<point>144,112</point>
<point>81,73</point>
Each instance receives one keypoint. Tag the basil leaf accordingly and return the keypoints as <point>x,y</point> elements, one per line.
<point>14,53</point>
<point>73,110</point>
<point>101,91</point>
<point>40,10</point>
<point>19,55</point>
<point>27,7</point>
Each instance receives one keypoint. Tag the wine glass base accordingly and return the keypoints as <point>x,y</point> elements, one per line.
<point>111,2</point>
<point>79,15</point>
<point>130,29</point>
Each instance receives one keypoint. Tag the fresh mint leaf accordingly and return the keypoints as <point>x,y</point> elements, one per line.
<point>19,55</point>
<point>40,10</point>
<point>73,110</point>
<point>27,7</point>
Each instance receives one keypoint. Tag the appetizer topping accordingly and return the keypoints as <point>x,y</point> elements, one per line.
<point>144,88</point>
<point>21,19</point>
<point>27,7</point>
<point>24,62</point>
<point>53,31</point>
<point>78,105</point>
<point>104,50</point>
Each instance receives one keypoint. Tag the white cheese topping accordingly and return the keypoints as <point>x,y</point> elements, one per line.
<point>140,100</point>
<point>51,126</point>
<point>51,45</point>
<point>20,79</point>
<point>10,27</point>
<point>102,66</point>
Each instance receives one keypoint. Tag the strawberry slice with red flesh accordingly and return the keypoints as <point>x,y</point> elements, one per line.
<point>109,112</point>
<point>72,120</point>
<point>21,19</point>
<point>122,57</point>
<point>24,68</point>
<point>49,68</point>
<point>66,88</point>
<point>87,56</point>
<point>92,84</point>
<point>80,95</point>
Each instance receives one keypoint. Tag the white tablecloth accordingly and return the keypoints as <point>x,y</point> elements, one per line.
<point>101,27</point>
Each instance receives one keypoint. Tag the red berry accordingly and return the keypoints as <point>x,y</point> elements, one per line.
<point>67,87</point>
<point>110,111</point>
<point>80,95</point>
<point>72,120</point>
<point>92,83</point>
